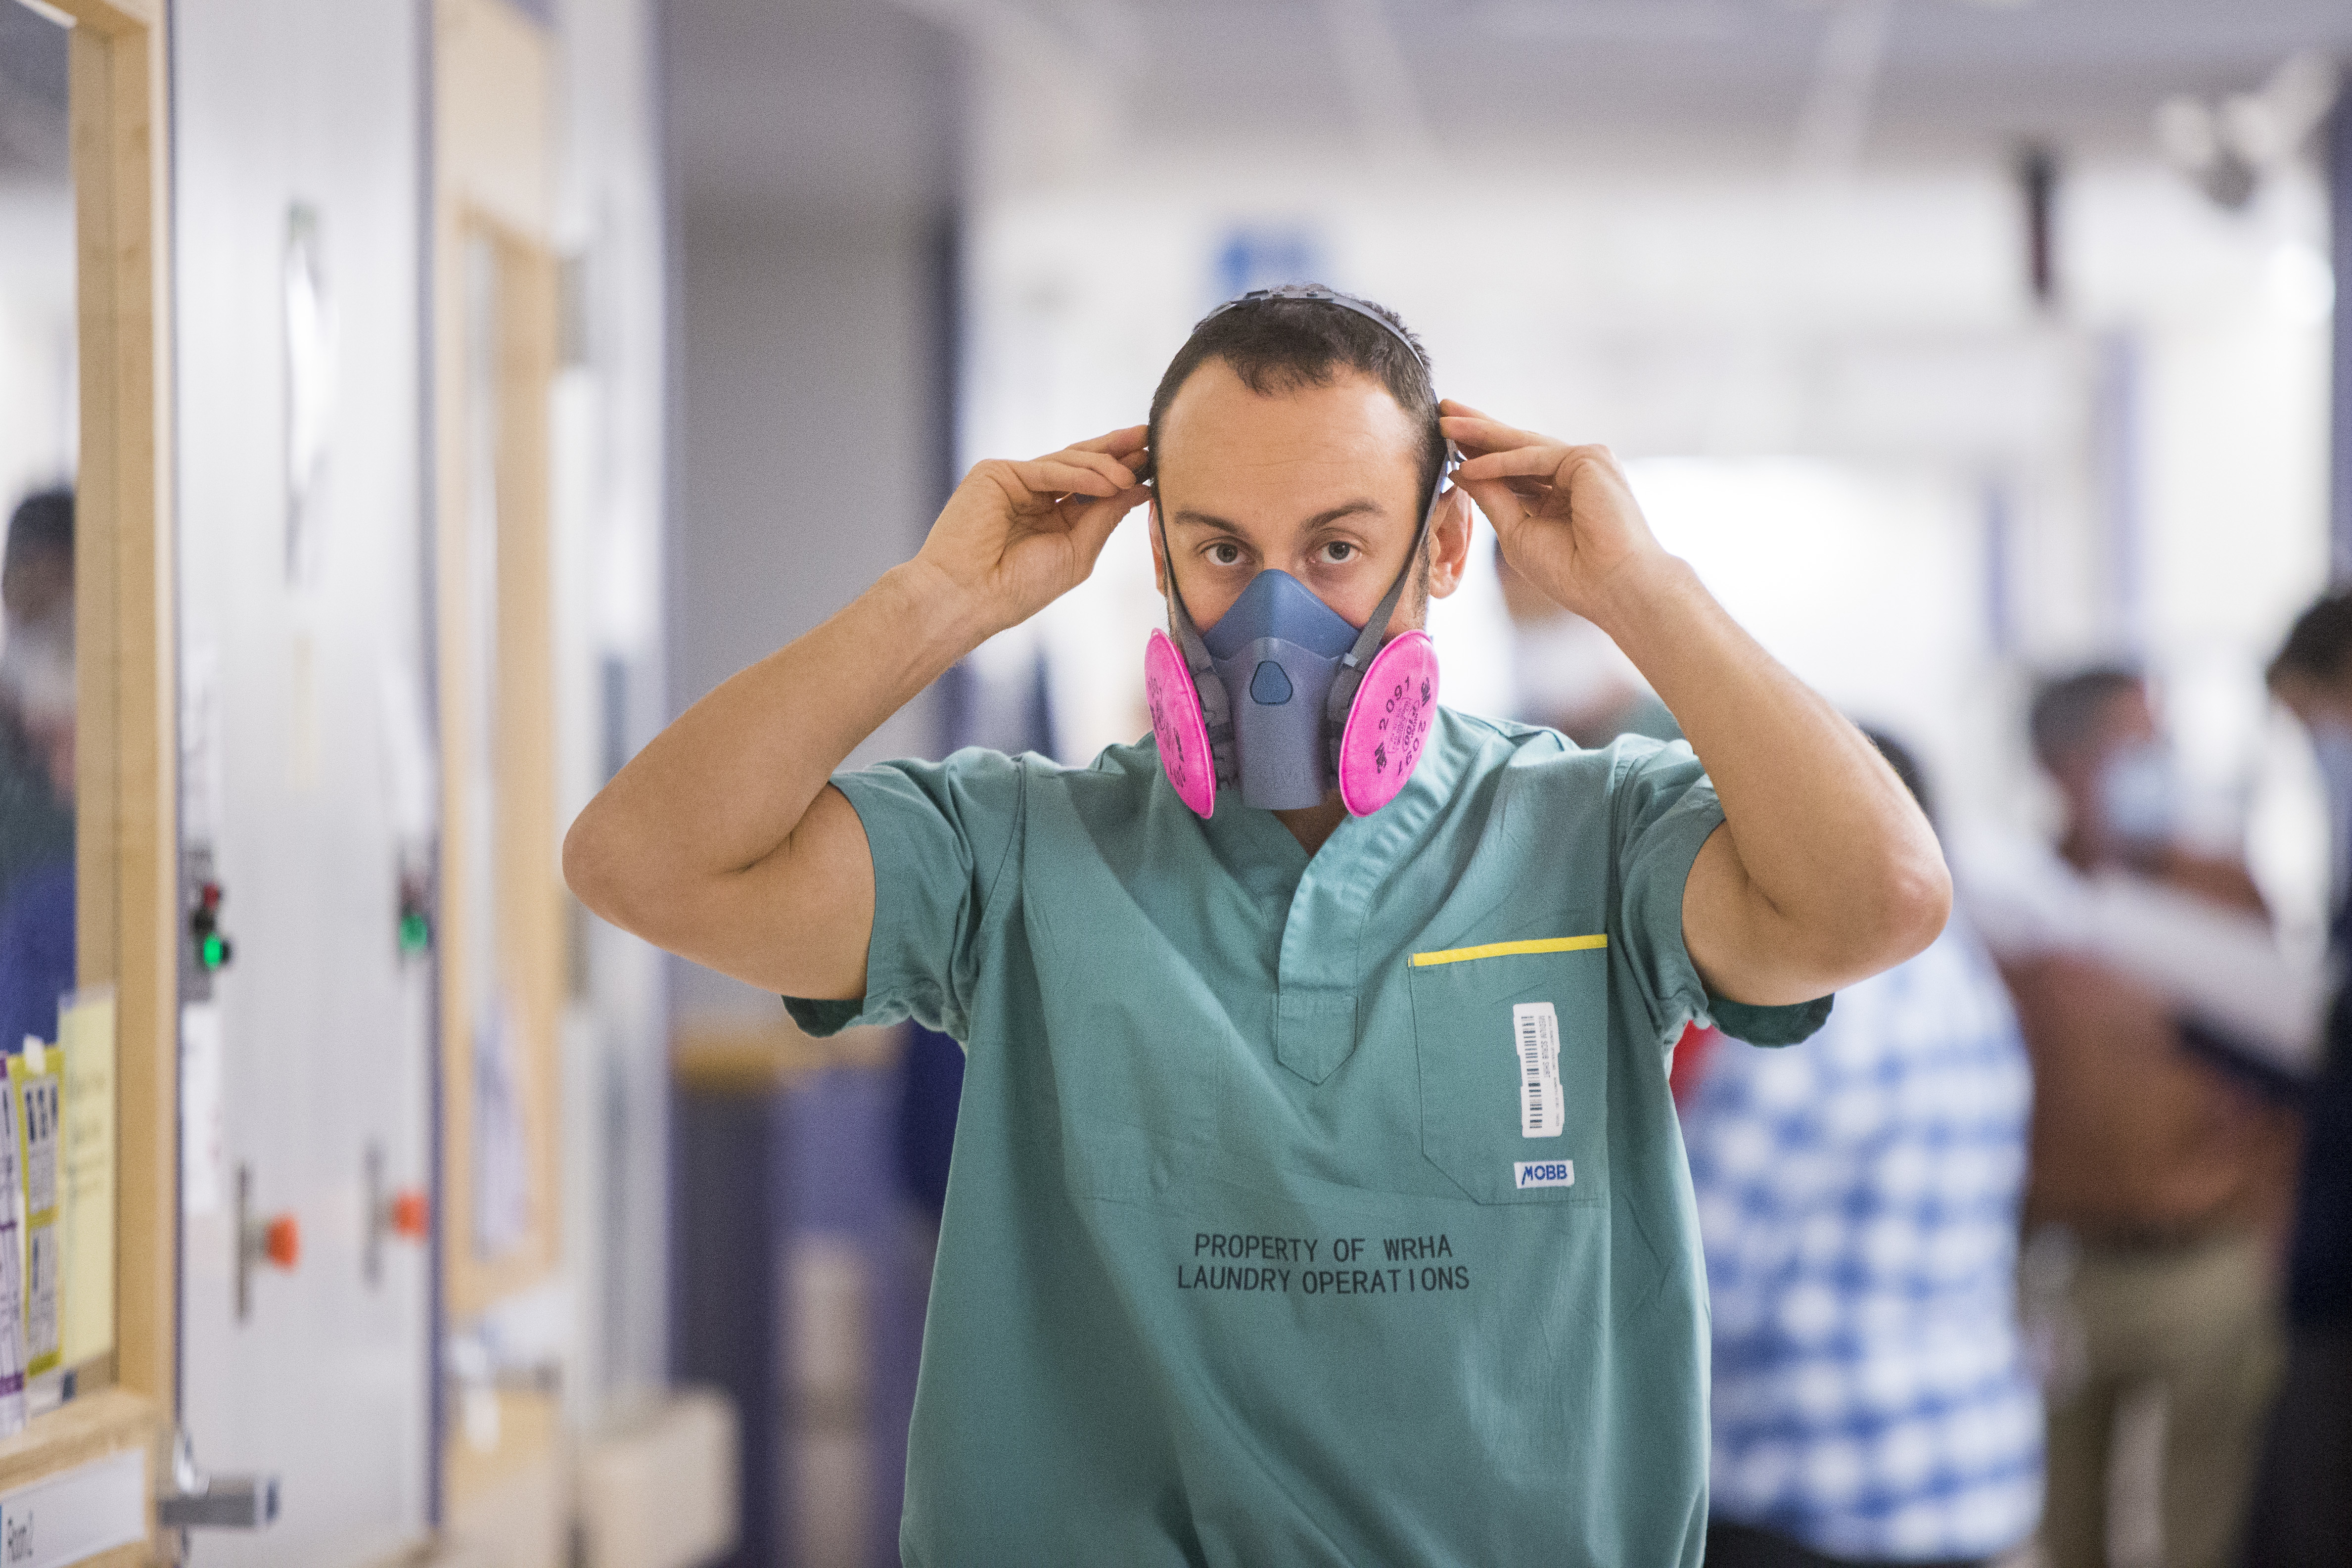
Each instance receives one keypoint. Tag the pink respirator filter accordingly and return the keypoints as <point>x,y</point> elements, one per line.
<point>1388,724</point>
<point>1176,719</point>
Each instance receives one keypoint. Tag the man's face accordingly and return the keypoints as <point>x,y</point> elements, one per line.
<point>2125,722</point>
<point>1323,483</point>
<point>2126,719</point>
<point>36,585</point>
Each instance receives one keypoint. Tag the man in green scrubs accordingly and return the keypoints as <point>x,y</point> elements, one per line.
<point>1317,1197</point>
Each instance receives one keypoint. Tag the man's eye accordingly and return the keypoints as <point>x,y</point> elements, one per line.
<point>1225,553</point>
<point>1340,551</point>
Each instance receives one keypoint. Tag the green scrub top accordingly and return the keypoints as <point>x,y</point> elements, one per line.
<point>1306,1211</point>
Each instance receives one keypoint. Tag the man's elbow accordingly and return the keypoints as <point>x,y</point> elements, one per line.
<point>1908,909</point>
<point>1889,916</point>
<point>595,871</point>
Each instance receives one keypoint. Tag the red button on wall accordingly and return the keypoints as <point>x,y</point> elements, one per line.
<point>283,1242</point>
<point>412,1214</point>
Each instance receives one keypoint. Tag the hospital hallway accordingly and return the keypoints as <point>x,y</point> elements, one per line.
<point>411,409</point>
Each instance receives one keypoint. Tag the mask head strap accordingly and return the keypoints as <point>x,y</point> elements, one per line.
<point>1353,663</point>
<point>1216,704</point>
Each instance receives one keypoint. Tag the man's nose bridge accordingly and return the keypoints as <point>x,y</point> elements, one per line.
<point>1277,605</point>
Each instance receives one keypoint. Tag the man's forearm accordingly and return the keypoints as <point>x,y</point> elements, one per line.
<point>1837,873</point>
<point>723,787</point>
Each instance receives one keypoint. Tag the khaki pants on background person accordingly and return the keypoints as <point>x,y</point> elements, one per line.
<point>2198,1320</point>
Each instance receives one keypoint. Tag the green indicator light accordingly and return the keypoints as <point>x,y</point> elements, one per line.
<point>414,934</point>
<point>214,952</point>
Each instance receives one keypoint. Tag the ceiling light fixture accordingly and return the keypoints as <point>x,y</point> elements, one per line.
<point>2224,147</point>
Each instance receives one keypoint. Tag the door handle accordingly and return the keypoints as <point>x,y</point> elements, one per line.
<point>404,1214</point>
<point>199,1501</point>
<point>272,1238</point>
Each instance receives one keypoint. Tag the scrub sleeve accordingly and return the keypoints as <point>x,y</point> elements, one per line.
<point>1664,811</point>
<point>939,834</point>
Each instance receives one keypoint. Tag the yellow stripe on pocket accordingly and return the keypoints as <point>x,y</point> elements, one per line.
<point>1506,949</point>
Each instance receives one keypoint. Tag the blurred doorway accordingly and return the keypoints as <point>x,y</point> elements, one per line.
<point>502,948</point>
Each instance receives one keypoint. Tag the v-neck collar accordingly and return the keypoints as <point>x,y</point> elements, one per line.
<point>1332,891</point>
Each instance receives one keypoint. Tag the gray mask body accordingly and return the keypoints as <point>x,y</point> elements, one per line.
<point>1277,652</point>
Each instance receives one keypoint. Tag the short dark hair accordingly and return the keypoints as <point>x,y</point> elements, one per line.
<point>43,521</point>
<point>2066,706</point>
<point>1907,767</point>
<point>2319,646</point>
<point>1282,345</point>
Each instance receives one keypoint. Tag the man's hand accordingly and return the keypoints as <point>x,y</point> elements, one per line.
<point>1015,536</point>
<point>1564,515</point>
<point>1824,871</point>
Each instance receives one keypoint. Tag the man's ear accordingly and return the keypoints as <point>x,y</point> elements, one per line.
<point>1151,531</point>
<point>1449,542</point>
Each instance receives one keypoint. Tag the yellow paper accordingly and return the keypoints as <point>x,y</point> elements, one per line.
<point>86,1174</point>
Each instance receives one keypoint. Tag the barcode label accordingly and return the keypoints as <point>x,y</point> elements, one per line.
<point>1535,1031</point>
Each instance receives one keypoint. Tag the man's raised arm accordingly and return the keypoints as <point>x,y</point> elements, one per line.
<point>721,842</point>
<point>1824,871</point>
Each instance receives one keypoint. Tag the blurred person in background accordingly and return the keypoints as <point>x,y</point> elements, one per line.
<point>1206,1290</point>
<point>1858,1200</point>
<point>36,631</point>
<point>2302,1516</point>
<point>36,768</point>
<point>2160,1158</point>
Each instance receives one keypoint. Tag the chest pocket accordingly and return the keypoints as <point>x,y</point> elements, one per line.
<point>1501,1114</point>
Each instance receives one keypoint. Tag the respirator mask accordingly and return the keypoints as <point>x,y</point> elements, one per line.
<point>2140,794</point>
<point>1284,697</point>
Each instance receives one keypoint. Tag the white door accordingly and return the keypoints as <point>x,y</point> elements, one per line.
<point>309,782</point>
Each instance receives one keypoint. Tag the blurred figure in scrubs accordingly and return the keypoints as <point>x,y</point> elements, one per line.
<point>2160,1151</point>
<point>1858,1197</point>
<point>1316,1196</point>
<point>2302,1516</point>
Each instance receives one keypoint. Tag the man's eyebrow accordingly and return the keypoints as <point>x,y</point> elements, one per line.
<point>1189,517</point>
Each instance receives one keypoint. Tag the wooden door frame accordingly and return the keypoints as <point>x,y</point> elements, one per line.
<point>127,841</point>
<point>528,946</point>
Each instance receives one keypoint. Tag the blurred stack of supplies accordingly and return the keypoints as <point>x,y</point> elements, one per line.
<point>56,1208</point>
